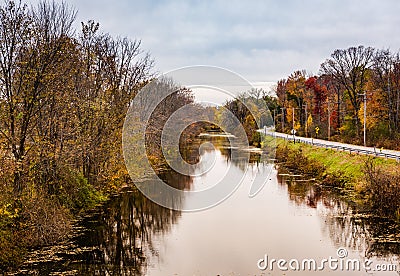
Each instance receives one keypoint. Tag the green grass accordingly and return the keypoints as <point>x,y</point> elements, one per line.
<point>370,182</point>
<point>339,164</point>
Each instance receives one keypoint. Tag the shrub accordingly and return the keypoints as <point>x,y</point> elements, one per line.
<point>295,159</point>
<point>12,248</point>
<point>77,193</point>
<point>45,221</point>
<point>383,188</point>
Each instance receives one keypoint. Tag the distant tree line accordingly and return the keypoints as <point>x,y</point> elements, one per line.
<point>331,104</point>
<point>251,110</point>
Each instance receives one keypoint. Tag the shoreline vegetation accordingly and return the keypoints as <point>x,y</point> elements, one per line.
<point>372,183</point>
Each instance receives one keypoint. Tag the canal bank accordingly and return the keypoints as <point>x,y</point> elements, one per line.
<point>370,181</point>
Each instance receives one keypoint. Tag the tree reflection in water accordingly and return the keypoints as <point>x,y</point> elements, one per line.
<point>115,239</point>
<point>122,232</point>
<point>347,224</point>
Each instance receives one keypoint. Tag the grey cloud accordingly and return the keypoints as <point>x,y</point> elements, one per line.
<point>262,40</point>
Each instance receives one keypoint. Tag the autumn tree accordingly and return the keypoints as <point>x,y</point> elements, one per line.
<point>350,67</point>
<point>110,73</point>
<point>383,83</point>
<point>334,98</point>
<point>31,45</point>
<point>396,88</point>
<point>318,96</point>
<point>281,93</point>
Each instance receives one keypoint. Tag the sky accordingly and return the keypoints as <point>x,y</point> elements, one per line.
<point>263,41</point>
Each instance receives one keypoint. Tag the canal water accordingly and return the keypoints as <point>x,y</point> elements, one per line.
<point>290,219</point>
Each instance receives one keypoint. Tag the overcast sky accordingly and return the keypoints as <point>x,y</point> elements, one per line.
<point>260,40</point>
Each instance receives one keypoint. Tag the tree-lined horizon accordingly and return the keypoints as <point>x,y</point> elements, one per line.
<point>333,100</point>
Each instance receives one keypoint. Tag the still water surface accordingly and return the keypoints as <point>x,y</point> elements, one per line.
<point>288,219</point>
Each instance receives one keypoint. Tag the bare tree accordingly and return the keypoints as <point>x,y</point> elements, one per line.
<point>106,80</point>
<point>349,67</point>
<point>396,89</point>
<point>381,77</point>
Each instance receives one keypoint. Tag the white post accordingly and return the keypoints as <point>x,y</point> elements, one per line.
<point>365,118</point>
<point>329,122</point>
